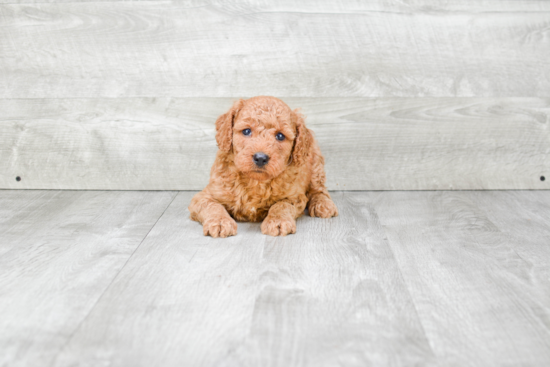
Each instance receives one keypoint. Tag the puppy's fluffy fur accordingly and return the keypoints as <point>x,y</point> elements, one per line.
<point>276,193</point>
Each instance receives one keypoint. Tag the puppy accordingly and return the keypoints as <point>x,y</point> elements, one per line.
<point>268,168</point>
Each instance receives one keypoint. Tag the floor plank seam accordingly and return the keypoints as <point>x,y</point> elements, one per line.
<point>62,349</point>
<point>406,285</point>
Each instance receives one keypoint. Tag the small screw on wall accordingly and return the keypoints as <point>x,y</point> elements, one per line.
<point>542,178</point>
<point>18,179</point>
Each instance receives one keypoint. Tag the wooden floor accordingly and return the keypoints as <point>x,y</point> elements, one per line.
<point>124,278</point>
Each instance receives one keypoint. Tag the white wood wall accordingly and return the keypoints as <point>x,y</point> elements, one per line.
<point>401,94</point>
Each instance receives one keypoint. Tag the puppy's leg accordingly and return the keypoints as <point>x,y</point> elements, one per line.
<point>215,220</point>
<point>320,204</point>
<point>281,219</point>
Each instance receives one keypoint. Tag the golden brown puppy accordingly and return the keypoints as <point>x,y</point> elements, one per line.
<point>268,168</point>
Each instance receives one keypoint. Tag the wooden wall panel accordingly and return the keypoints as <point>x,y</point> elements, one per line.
<point>314,49</point>
<point>417,94</point>
<point>347,5</point>
<point>369,143</point>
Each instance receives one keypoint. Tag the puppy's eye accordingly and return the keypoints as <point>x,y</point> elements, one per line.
<point>247,132</point>
<point>280,137</point>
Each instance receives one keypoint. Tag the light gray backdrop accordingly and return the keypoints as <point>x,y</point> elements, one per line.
<point>400,94</point>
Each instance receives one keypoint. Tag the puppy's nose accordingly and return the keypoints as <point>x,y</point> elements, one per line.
<point>261,159</point>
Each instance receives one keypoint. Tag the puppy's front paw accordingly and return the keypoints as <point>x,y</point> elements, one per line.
<point>278,227</point>
<point>220,227</point>
<point>322,207</point>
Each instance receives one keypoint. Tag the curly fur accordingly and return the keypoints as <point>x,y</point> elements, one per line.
<point>277,193</point>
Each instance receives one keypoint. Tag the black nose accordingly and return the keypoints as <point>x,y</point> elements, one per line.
<point>261,159</point>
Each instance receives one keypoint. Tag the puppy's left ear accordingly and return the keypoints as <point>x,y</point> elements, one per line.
<point>303,138</point>
<point>224,126</point>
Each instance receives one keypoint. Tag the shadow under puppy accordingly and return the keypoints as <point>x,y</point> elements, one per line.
<point>268,168</point>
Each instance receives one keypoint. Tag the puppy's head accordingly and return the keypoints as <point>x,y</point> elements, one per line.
<point>265,136</point>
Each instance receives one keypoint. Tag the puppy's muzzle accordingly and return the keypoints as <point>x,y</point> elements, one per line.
<point>260,159</point>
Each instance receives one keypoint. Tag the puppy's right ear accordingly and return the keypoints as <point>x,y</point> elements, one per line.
<point>224,126</point>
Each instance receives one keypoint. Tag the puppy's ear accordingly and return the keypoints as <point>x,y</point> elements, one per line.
<point>303,138</point>
<point>224,126</point>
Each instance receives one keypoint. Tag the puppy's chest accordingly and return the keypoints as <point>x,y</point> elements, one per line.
<point>253,205</point>
<point>250,200</point>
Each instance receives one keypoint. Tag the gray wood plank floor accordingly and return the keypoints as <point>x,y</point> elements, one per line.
<point>59,251</point>
<point>398,279</point>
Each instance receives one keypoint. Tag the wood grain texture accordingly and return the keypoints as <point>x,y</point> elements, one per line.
<point>314,49</point>
<point>524,220</point>
<point>368,143</point>
<point>481,302</point>
<point>329,295</point>
<point>510,210</point>
<point>59,251</point>
<point>357,6</point>
<point>398,279</point>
